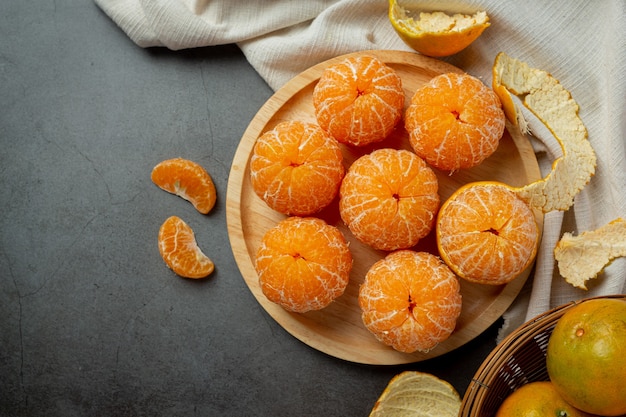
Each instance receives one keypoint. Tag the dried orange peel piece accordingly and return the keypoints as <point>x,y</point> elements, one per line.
<point>581,258</point>
<point>417,394</point>
<point>554,106</point>
<point>436,33</point>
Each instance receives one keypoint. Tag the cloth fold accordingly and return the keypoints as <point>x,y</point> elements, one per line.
<point>582,43</point>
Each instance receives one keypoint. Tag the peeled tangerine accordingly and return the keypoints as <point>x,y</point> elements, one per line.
<point>554,107</point>
<point>303,264</point>
<point>410,301</point>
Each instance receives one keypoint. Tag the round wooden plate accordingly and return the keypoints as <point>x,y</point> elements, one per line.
<point>338,330</point>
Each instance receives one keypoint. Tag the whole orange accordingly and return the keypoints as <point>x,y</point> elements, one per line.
<point>585,356</point>
<point>537,399</point>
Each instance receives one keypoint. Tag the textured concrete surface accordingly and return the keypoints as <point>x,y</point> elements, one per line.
<point>92,323</point>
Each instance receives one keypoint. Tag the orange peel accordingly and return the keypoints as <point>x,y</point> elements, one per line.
<point>436,33</point>
<point>554,106</point>
<point>417,394</point>
<point>581,258</point>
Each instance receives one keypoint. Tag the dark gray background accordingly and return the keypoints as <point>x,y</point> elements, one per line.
<point>92,322</point>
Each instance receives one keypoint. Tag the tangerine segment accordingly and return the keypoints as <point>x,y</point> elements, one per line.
<point>359,101</point>
<point>410,301</point>
<point>303,264</point>
<point>557,110</point>
<point>180,251</point>
<point>486,234</point>
<point>454,121</point>
<point>388,199</point>
<point>188,180</point>
<point>436,34</point>
<point>296,168</point>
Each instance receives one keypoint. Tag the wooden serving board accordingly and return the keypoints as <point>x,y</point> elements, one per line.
<point>338,330</point>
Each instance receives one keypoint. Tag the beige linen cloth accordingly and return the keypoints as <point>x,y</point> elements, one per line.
<point>582,43</point>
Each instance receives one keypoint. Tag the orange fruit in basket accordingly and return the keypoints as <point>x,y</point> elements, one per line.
<point>486,233</point>
<point>436,33</point>
<point>585,356</point>
<point>296,168</point>
<point>388,199</point>
<point>188,180</point>
<point>303,264</point>
<point>180,251</point>
<point>454,121</point>
<point>359,101</point>
<point>410,301</point>
<point>537,399</point>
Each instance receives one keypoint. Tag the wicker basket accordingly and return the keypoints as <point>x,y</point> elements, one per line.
<point>520,358</point>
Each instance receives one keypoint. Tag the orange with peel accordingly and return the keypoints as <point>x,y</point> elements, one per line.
<point>388,199</point>
<point>303,264</point>
<point>454,121</point>
<point>585,356</point>
<point>436,34</point>
<point>180,251</point>
<point>537,399</point>
<point>410,301</point>
<point>296,168</point>
<point>359,100</point>
<point>188,180</point>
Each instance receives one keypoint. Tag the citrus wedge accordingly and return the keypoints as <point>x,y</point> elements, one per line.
<point>417,394</point>
<point>554,106</point>
<point>581,258</point>
<point>187,180</point>
<point>436,34</point>
<point>180,251</point>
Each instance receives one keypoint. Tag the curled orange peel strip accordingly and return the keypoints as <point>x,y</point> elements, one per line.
<point>581,258</point>
<point>554,106</point>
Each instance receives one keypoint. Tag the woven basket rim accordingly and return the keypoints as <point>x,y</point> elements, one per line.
<point>479,385</point>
